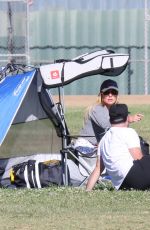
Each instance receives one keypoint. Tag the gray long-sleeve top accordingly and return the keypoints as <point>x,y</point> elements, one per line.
<point>100,115</point>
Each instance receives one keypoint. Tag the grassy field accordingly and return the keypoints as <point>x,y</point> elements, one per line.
<point>60,208</point>
<point>67,209</point>
<point>75,120</point>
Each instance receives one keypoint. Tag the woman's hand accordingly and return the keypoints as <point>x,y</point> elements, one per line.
<point>135,118</point>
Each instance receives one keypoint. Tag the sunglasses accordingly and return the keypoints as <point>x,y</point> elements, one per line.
<point>112,91</point>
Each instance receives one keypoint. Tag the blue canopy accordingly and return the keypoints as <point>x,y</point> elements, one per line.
<point>12,92</point>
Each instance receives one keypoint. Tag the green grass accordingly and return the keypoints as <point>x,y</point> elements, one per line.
<point>73,208</point>
<point>75,120</point>
<point>143,127</point>
<point>74,117</point>
<point>60,208</point>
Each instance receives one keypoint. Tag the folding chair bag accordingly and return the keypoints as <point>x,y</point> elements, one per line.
<point>34,174</point>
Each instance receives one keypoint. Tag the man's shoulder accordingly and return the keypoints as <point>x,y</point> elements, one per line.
<point>131,130</point>
<point>124,130</point>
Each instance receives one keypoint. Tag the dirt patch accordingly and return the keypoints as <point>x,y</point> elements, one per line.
<point>86,100</point>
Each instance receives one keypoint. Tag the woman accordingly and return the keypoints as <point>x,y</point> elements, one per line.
<point>97,117</point>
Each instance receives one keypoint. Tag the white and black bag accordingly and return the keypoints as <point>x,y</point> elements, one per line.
<point>35,174</point>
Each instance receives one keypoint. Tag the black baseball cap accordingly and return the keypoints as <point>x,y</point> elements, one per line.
<point>118,113</point>
<point>108,84</point>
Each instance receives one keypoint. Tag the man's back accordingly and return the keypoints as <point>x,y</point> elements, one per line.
<point>114,149</point>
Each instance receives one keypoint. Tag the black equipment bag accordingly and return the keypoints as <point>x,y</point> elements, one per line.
<point>144,146</point>
<point>35,174</point>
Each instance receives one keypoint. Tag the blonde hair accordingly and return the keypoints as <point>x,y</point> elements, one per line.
<point>89,108</point>
<point>99,101</point>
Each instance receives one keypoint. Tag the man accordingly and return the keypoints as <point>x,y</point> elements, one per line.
<point>119,151</point>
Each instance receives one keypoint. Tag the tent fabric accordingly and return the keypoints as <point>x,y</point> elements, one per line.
<point>12,92</point>
<point>30,129</point>
<point>31,108</point>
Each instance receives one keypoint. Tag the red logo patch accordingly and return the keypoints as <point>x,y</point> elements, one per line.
<point>54,74</point>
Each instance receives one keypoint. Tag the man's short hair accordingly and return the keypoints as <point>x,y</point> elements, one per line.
<point>118,113</point>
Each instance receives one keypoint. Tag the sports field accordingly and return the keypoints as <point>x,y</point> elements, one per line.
<point>62,208</point>
<point>86,100</point>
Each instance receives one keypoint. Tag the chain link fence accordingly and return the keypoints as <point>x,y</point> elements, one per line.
<point>14,45</point>
<point>19,44</point>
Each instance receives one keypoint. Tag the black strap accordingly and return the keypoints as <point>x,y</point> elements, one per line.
<point>98,130</point>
